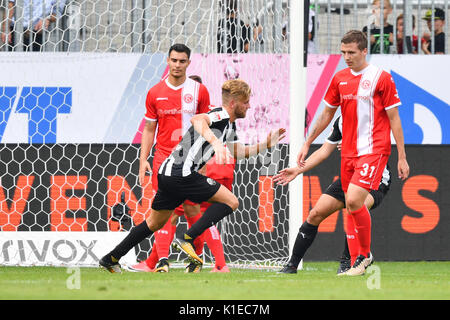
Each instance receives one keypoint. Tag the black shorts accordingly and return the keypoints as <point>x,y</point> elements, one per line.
<point>335,190</point>
<point>173,191</point>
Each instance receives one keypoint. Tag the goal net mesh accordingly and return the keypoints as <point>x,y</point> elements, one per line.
<point>71,118</point>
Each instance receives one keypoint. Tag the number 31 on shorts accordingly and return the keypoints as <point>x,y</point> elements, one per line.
<point>366,169</point>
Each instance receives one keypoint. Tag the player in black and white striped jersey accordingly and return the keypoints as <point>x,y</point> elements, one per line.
<point>194,151</point>
<point>332,200</point>
<point>178,177</point>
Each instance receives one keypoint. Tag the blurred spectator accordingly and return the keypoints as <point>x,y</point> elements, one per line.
<point>284,30</point>
<point>312,31</point>
<point>375,28</point>
<point>415,41</point>
<point>258,36</point>
<point>233,35</point>
<point>37,16</point>
<point>439,35</point>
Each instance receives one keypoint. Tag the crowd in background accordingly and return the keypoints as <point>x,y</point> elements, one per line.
<point>233,34</point>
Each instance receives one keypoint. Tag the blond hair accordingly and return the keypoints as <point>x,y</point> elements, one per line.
<point>374,2</point>
<point>235,88</point>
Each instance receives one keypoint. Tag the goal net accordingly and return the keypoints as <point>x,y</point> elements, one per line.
<point>72,102</point>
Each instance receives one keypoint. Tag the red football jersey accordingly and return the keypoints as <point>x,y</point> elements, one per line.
<point>364,98</point>
<point>173,108</point>
<point>220,171</point>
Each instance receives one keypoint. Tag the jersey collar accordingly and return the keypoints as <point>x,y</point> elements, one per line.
<point>172,86</point>
<point>360,72</point>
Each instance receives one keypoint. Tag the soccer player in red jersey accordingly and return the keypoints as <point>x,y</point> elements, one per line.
<point>332,200</point>
<point>368,100</point>
<point>170,105</point>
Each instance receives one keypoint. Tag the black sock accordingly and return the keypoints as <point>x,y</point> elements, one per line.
<point>134,237</point>
<point>305,238</point>
<point>346,252</point>
<point>212,215</point>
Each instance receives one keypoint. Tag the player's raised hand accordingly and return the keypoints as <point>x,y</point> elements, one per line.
<point>302,155</point>
<point>287,175</point>
<point>403,169</point>
<point>275,136</point>
<point>144,166</point>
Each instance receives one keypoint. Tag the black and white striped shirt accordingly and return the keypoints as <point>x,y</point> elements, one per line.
<point>193,151</point>
<point>335,137</point>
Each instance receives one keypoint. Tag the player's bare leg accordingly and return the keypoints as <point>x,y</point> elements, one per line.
<point>325,206</point>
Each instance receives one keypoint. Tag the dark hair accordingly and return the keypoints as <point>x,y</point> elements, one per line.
<point>196,78</point>
<point>179,47</point>
<point>355,36</point>
<point>400,16</point>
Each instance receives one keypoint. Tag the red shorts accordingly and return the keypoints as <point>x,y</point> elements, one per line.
<point>158,159</point>
<point>364,171</point>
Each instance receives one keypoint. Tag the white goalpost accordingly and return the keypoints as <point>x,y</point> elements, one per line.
<point>297,108</point>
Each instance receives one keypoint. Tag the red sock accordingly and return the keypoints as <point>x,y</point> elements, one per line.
<point>363,224</point>
<point>214,242</point>
<point>198,242</point>
<point>163,239</point>
<point>152,260</point>
<point>352,238</point>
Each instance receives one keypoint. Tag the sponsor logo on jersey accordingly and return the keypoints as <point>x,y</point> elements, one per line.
<point>164,98</point>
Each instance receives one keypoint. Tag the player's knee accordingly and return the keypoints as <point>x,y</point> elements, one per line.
<point>191,210</point>
<point>314,217</point>
<point>155,225</point>
<point>353,204</point>
<point>233,202</point>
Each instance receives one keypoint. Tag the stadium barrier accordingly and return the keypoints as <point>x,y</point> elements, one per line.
<point>66,169</point>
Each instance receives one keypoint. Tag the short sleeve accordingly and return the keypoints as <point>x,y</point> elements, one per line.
<point>332,97</point>
<point>203,100</point>
<point>151,113</point>
<point>388,91</point>
<point>217,115</point>
<point>335,135</point>
<point>232,134</point>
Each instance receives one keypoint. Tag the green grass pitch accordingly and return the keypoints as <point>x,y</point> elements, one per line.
<point>317,280</point>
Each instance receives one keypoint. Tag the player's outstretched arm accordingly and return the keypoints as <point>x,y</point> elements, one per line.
<point>239,151</point>
<point>322,122</point>
<point>397,132</point>
<point>148,135</point>
<point>287,175</point>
